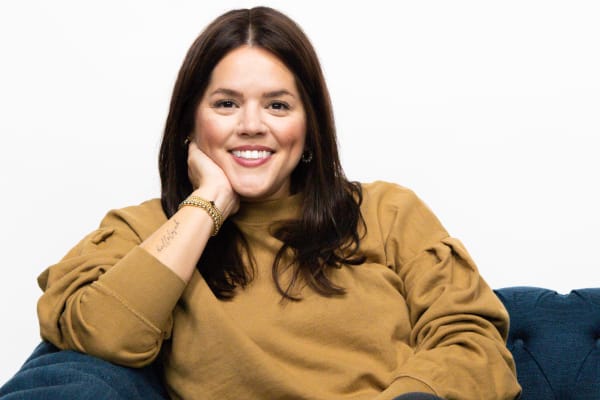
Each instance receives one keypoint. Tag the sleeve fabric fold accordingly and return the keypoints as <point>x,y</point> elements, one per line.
<point>108,297</point>
<point>459,326</point>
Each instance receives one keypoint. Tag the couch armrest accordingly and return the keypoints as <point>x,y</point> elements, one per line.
<point>555,340</point>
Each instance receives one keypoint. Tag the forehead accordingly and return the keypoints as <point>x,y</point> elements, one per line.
<point>248,67</point>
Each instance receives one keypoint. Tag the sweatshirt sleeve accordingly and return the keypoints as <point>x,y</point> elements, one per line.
<point>459,326</point>
<point>108,297</point>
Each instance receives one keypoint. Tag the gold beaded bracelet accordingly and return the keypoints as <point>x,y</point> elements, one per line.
<point>209,207</point>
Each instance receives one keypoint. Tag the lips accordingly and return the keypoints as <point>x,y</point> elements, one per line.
<point>251,156</point>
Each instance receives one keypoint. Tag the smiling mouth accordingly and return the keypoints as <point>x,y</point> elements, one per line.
<point>252,154</point>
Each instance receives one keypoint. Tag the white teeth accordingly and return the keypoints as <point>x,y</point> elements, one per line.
<point>251,154</point>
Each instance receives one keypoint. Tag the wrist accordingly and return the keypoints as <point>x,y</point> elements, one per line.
<point>225,200</point>
<point>209,207</point>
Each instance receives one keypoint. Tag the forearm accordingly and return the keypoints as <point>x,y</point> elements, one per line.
<point>179,242</point>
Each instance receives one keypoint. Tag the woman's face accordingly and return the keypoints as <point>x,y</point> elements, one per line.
<point>251,123</point>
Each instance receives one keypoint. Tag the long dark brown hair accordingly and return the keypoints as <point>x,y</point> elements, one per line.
<point>326,235</point>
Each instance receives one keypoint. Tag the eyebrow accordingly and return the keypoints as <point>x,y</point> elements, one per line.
<point>269,95</point>
<point>277,93</point>
<point>226,92</point>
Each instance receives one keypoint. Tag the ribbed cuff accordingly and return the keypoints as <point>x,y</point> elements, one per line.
<point>145,285</point>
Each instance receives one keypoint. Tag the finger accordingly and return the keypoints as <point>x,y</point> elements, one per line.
<point>192,144</point>
<point>195,155</point>
<point>192,148</point>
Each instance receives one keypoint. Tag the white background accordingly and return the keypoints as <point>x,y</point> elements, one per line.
<point>490,111</point>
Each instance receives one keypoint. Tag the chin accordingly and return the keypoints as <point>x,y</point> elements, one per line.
<point>259,189</point>
<point>251,193</point>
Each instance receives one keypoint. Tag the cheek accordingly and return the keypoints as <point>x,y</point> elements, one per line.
<point>208,133</point>
<point>294,136</point>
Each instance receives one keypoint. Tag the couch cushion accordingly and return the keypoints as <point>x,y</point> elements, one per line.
<point>555,340</point>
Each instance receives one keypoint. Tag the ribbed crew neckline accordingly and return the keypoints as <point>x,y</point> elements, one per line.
<point>268,211</point>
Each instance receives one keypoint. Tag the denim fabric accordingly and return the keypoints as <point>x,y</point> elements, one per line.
<point>555,340</point>
<point>417,396</point>
<point>50,374</point>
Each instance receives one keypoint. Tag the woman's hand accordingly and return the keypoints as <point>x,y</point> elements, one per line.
<point>210,182</point>
<point>179,242</point>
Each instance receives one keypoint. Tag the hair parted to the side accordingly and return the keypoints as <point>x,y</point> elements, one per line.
<point>326,235</point>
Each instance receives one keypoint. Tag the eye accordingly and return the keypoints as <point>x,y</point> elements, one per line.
<point>225,104</point>
<point>279,105</point>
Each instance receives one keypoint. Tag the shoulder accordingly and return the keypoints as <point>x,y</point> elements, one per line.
<point>389,195</point>
<point>392,207</point>
<point>142,219</point>
<point>397,219</point>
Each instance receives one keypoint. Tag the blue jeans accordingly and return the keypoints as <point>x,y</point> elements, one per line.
<point>50,374</point>
<point>418,396</point>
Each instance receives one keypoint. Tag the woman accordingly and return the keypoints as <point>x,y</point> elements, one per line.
<point>262,273</point>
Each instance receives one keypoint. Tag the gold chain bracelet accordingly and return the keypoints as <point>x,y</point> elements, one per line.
<point>209,207</point>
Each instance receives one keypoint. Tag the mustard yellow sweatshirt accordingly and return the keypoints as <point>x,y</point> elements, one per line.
<point>417,316</point>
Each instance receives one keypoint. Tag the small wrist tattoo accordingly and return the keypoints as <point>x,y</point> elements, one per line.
<point>168,236</point>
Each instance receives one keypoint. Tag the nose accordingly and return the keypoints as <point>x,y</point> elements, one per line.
<point>251,122</point>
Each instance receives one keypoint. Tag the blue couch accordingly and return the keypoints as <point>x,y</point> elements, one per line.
<point>555,340</point>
